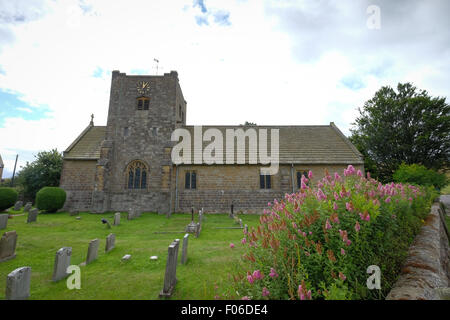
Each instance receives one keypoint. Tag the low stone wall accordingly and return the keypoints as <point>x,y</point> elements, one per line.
<point>426,271</point>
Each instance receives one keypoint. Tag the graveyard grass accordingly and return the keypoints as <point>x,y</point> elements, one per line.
<point>205,275</point>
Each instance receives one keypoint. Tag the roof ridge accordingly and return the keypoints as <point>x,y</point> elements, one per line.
<point>346,140</point>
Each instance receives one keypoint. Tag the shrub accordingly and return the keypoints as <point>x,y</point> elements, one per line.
<point>318,243</point>
<point>420,175</point>
<point>50,199</point>
<point>8,196</point>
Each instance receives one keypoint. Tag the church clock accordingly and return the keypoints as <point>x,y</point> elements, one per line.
<point>143,87</point>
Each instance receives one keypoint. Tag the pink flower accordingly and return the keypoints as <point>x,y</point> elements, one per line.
<point>273,273</point>
<point>310,233</point>
<point>303,186</point>
<point>245,298</point>
<point>357,226</point>
<point>337,176</point>
<point>367,217</point>
<point>359,173</point>
<point>308,294</point>
<point>348,206</point>
<point>349,242</point>
<point>300,292</point>
<point>335,206</point>
<point>244,241</point>
<point>250,278</point>
<point>265,292</point>
<point>327,225</point>
<point>310,174</point>
<point>336,196</point>
<point>257,275</point>
<point>388,199</point>
<point>342,276</point>
<point>321,195</point>
<point>343,252</point>
<point>231,245</point>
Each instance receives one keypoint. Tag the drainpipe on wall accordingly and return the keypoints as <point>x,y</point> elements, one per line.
<point>292,177</point>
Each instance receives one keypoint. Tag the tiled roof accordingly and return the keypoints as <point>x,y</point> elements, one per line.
<point>302,144</point>
<point>297,144</point>
<point>87,145</point>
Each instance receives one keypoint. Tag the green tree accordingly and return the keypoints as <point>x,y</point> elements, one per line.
<point>404,126</point>
<point>45,171</point>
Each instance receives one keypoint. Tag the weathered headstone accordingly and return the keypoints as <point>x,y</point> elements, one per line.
<point>18,205</point>
<point>232,211</point>
<point>8,246</point>
<point>62,262</point>
<point>131,214</point>
<point>245,229</point>
<point>185,247</point>
<point>199,228</point>
<point>92,251</point>
<point>170,277</point>
<point>27,207</point>
<point>110,242</point>
<point>240,223</point>
<point>32,215</point>
<point>18,284</point>
<point>116,218</point>
<point>73,212</point>
<point>3,221</point>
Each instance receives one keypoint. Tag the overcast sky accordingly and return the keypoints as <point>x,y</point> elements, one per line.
<point>270,62</point>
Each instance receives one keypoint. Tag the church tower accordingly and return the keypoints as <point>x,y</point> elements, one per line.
<point>134,169</point>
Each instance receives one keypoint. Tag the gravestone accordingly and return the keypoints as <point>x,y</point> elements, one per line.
<point>92,251</point>
<point>117,218</point>
<point>27,207</point>
<point>170,277</point>
<point>240,223</point>
<point>231,211</point>
<point>200,216</point>
<point>245,229</point>
<point>3,221</point>
<point>8,246</point>
<point>18,205</point>
<point>110,242</point>
<point>185,247</point>
<point>197,233</point>
<point>131,214</point>
<point>32,215</point>
<point>18,284</point>
<point>73,212</point>
<point>62,262</point>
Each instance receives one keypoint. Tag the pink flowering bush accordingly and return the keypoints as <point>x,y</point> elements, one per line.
<point>318,242</point>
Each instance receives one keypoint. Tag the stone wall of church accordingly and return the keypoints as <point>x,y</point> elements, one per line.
<point>77,179</point>
<point>219,186</point>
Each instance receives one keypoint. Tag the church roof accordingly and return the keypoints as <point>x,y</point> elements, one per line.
<point>298,144</point>
<point>87,145</point>
<point>313,144</point>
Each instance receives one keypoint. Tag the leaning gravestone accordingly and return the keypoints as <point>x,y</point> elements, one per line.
<point>184,250</point>
<point>62,262</point>
<point>110,242</point>
<point>170,277</point>
<point>3,221</point>
<point>18,205</point>
<point>18,284</point>
<point>8,246</point>
<point>117,218</point>
<point>27,207</point>
<point>32,215</point>
<point>92,251</point>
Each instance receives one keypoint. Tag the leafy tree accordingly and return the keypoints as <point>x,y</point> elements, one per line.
<point>420,175</point>
<point>404,126</point>
<point>45,171</point>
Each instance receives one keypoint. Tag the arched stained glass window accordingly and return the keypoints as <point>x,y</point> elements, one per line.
<point>137,175</point>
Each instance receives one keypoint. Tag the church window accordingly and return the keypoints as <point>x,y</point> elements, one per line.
<point>190,181</point>
<point>265,181</point>
<point>143,103</point>
<point>299,178</point>
<point>137,175</point>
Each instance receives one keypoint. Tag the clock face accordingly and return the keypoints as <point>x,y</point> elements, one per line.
<point>143,87</point>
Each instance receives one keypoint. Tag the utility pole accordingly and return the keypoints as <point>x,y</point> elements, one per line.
<point>14,172</point>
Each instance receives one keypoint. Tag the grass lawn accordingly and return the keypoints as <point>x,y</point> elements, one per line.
<point>210,258</point>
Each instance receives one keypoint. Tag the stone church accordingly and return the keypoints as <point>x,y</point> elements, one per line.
<point>128,164</point>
